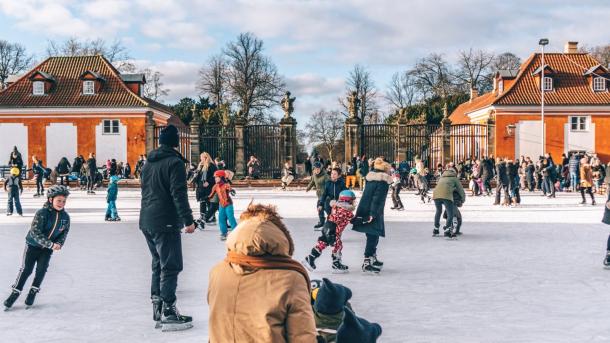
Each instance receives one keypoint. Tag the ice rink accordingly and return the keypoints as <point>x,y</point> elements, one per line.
<point>527,274</point>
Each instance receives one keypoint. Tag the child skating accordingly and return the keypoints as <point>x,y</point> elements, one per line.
<point>47,233</point>
<point>111,196</point>
<point>342,212</point>
<point>14,187</point>
<point>222,189</point>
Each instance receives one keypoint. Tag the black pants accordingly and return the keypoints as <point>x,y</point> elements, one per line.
<point>457,215</point>
<point>487,184</point>
<point>321,214</point>
<point>448,204</point>
<point>33,256</point>
<point>166,251</point>
<point>396,196</point>
<point>203,208</point>
<point>212,208</point>
<point>550,185</point>
<point>13,197</point>
<point>39,185</point>
<point>371,245</point>
<point>517,195</point>
<point>501,187</point>
<point>587,190</point>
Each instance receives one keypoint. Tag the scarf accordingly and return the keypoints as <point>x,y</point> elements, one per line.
<point>268,262</point>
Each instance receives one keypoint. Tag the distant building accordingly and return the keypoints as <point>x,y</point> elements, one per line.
<point>577,106</point>
<point>68,106</point>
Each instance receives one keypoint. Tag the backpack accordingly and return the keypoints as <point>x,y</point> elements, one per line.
<point>329,233</point>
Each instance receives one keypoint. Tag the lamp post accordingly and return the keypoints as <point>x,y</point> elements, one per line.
<point>542,42</point>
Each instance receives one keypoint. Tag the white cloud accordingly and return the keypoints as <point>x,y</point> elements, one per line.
<point>178,76</point>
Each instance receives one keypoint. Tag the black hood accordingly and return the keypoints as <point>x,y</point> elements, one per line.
<point>164,152</point>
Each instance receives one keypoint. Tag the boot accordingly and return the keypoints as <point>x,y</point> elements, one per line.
<point>368,267</point>
<point>376,262</point>
<point>435,232</point>
<point>8,303</point>
<point>172,320</point>
<point>449,233</point>
<point>310,260</point>
<point>29,300</point>
<point>607,260</point>
<point>338,267</point>
<point>157,303</point>
<point>319,225</point>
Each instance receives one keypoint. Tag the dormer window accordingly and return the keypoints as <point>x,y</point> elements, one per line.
<point>88,87</point>
<point>599,84</point>
<point>501,86</point>
<point>38,88</point>
<point>548,84</point>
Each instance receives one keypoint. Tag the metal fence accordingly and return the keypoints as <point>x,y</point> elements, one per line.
<point>380,140</point>
<point>218,141</point>
<point>185,140</point>
<point>264,142</point>
<point>468,140</point>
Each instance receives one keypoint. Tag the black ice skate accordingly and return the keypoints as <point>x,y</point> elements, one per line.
<point>376,262</point>
<point>319,225</point>
<point>435,232</point>
<point>607,260</point>
<point>172,320</point>
<point>211,221</point>
<point>157,303</point>
<point>368,267</point>
<point>310,260</point>
<point>8,303</point>
<point>29,300</point>
<point>338,267</point>
<point>223,237</point>
<point>449,234</point>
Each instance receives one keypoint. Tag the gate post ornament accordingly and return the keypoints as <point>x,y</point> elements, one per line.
<point>287,104</point>
<point>353,104</point>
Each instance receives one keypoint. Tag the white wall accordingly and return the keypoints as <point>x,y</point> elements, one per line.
<point>528,139</point>
<point>579,140</point>
<point>61,142</point>
<point>110,146</point>
<point>11,135</point>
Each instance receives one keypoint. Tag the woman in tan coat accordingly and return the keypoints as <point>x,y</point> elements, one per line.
<point>259,293</point>
<point>586,180</point>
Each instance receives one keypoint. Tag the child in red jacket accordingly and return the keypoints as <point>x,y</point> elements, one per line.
<point>341,214</point>
<point>222,189</point>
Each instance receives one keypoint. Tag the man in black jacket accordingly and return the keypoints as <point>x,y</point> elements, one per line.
<point>503,183</point>
<point>164,212</point>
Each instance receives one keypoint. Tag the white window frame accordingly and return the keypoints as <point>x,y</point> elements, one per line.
<point>599,84</point>
<point>548,87</point>
<point>113,127</point>
<point>501,86</point>
<point>581,122</point>
<point>38,88</point>
<point>88,87</point>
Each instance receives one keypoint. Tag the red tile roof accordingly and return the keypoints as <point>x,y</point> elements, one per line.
<point>67,89</point>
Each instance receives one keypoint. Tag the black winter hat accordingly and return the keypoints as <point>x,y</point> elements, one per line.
<point>169,136</point>
<point>331,297</point>
<point>357,330</point>
<point>606,219</point>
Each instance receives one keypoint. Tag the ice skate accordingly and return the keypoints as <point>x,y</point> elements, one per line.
<point>368,267</point>
<point>449,233</point>
<point>317,226</point>
<point>223,237</point>
<point>338,267</point>
<point>200,224</point>
<point>172,320</point>
<point>157,303</point>
<point>211,221</point>
<point>29,300</point>
<point>8,303</point>
<point>607,260</point>
<point>310,260</point>
<point>435,232</point>
<point>376,262</point>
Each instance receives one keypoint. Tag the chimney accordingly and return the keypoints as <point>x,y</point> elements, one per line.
<point>571,48</point>
<point>473,93</point>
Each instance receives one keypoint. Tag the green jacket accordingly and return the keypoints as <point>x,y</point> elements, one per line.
<point>318,181</point>
<point>327,325</point>
<point>448,185</point>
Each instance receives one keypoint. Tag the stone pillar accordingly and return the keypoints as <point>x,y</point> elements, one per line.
<point>491,137</point>
<point>401,137</point>
<point>150,132</point>
<point>352,137</point>
<point>446,126</point>
<point>194,136</point>
<point>288,127</point>
<point>240,154</point>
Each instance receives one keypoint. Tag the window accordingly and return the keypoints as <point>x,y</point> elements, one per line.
<point>501,86</point>
<point>111,127</point>
<point>578,123</point>
<point>88,87</point>
<point>38,88</point>
<point>599,84</point>
<point>548,84</point>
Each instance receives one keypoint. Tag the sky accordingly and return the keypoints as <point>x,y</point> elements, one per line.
<point>313,43</point>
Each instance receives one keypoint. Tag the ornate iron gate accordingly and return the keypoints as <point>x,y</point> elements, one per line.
<point>379,140</point>
<point>468,140</point>
<point>264,142</point>
<point>423,141</point>
<point>185,140</point>
<point>219,141</point>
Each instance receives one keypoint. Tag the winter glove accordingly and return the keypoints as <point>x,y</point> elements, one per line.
<point>232,192</point>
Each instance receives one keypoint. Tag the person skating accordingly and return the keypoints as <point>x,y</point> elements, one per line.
<point>222,189</point>
<point>92,173</point>
<point>396,187</point>
<point>47,233</point>
<point>447,187</point>
<point>332,188</point>
<point>586,180</point>
<point>328,301</point>
<point>369,215</point>
<point>14,187</point>
<point>512,170</point>
<point>503,184</point>
<point>606,220</point>
<point>287,174</point>
<point>164,211</point>
<point>63,170</point>
<point>38,171</point>
<point>15,159</point>
<point>341,214</point>
<point>204,181</point>
<point>111,197</point>
<point>318,180</point>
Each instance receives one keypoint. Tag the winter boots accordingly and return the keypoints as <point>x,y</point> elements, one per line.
<point>369,267</point>
<point>29,300</point>
<point>317,226</point>
<point>338,267</point>
<point>310,260</point>
<point>172,320</point>
<point>8,303</point>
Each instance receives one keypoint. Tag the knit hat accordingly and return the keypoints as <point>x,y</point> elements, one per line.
<point>15,171</point>
<point>347,196</point>
<point>317,164</point>
<point>220,173</point>
<point>357,330</point>
<point>331,297</point>
<point>169,136</point>
<point>381,165</point>
<point>606,219</point>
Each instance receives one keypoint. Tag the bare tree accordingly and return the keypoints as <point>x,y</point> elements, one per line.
<point>401,91</point>
<point>253,80</point>
<point>213,80</point>
<point>506,61</point>
<point>153,88</point>
<point>325,128</point>
<point>433,76</point>
<point>474,69</point>
<point>360,81</point>
<point>114,52</point>
<point>13,60</point>
<point>600,53</point>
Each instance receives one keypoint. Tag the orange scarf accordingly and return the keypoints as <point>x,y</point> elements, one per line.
<point>268,262</point>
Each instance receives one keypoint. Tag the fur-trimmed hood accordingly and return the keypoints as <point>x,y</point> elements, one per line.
<point>375,175</point>
<point>343,205</point>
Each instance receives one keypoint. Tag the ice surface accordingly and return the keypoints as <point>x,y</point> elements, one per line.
<point>528,274</point>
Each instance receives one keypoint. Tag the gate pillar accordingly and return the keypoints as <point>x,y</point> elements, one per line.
<point>240,156</point>
<point>194,136</point>
<point>401,136</point>
<point>353,128</point>
<point>446,126</point>
<point>288,128</point>
<point>491,136</point>
<point>150,131</point>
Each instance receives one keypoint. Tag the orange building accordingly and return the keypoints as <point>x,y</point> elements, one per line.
<point>576,106</point>
<point>69,106</point>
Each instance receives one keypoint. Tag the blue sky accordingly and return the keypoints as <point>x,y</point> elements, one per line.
<point>313,43</point>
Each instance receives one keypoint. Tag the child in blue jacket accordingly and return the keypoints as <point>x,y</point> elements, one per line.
<point>111,196</point>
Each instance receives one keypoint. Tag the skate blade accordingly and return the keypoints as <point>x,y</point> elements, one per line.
<point>338,271</point>
<point>307,266</point>
<point>6,309</point>
<point>606,266</point>
<point>169,327</point>
<point>158,325</point>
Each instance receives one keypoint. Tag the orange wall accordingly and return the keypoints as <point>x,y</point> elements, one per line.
<point>602,136</point>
